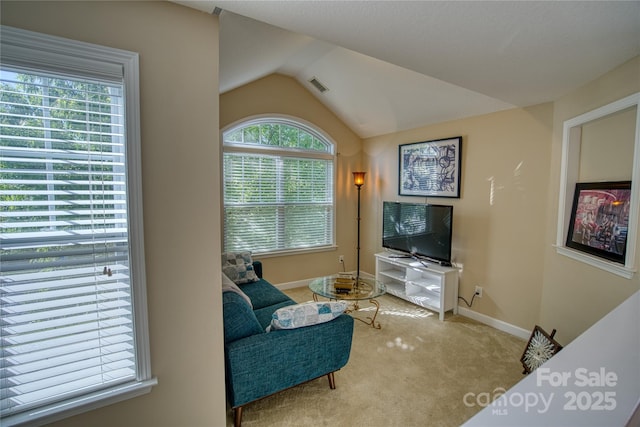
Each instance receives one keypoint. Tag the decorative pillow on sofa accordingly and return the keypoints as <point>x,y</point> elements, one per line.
<point>306,314</point>
<point>229,286</point>
<point>238,266</point>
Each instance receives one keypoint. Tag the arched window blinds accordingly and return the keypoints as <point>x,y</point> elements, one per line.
<point>278,178</point>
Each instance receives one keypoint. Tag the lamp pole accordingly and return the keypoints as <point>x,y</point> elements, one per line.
<point>358,178</point>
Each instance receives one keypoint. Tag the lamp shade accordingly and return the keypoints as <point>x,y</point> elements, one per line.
<point>358,178</point>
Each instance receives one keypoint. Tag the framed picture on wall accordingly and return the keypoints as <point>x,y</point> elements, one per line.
<point>600,219</point>
<point>431,168</point>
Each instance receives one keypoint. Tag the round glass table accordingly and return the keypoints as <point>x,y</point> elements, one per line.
<point>365,289</point>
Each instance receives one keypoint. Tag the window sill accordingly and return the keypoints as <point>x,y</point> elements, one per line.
<point>611,267</point>
<point>272,254</point>
<point>79,404</point>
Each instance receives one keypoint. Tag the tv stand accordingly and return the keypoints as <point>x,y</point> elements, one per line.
<point>425,284</point>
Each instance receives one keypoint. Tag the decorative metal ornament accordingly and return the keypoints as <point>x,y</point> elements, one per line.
<point>540,348</point>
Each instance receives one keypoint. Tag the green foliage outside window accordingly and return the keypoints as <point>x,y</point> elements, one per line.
<point>55,115</point>
<point>277,135</point>
<point>68,119</point>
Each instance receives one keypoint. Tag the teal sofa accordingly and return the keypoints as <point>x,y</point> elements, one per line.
<point>260,363</point>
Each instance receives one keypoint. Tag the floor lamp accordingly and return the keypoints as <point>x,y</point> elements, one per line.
<point>358,180</point>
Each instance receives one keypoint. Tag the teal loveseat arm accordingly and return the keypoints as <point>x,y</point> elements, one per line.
<point>263,364</point>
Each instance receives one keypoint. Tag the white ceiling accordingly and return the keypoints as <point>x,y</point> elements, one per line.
<point>396,65</point>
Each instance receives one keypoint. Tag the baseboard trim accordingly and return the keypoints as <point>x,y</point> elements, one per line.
<point>495,323</point>
<point>293,285</point>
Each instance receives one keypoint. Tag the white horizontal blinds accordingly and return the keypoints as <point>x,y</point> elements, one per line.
<point>65,293</point>
<point>250,202</point>
<point>308,198</point>
<point>277,200</point>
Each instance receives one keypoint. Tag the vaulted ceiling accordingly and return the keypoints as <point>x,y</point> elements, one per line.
<point>396,65</point>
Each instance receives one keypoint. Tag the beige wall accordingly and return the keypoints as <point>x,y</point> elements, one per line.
<point>498,220</point>
<point>576,295</point>
<point>606,147</point>
<point>279,94</point>
<point>178,50</point>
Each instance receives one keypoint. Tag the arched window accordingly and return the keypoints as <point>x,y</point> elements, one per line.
<point>278,186</point>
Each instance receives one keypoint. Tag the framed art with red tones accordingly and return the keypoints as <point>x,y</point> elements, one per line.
<point>600,219</point>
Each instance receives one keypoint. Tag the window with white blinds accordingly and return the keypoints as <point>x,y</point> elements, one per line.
<point>68,273</point>
<point>278,177</point>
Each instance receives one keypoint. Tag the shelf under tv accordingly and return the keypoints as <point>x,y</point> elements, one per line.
<point>425,284</point>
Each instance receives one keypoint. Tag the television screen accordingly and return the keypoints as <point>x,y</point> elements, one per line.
<point>418,229</point>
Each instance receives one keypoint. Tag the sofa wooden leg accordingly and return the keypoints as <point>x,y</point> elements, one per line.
<point>237,416</point>
<point>332,381</point>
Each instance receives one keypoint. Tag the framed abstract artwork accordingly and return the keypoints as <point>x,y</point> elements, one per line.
<point>431,168</point>
<point>600,219</point>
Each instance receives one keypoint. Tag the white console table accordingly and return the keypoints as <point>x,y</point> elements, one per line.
<point>425,283</point>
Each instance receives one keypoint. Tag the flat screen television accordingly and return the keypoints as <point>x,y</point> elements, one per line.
<point>418,229</point>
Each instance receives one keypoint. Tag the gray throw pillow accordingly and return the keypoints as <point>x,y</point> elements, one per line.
<point>229,286</point>
<point>238,266</point>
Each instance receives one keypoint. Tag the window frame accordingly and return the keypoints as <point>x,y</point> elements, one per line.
<point>72,58</point>
<point>569,173</point>
<point>289,120</point>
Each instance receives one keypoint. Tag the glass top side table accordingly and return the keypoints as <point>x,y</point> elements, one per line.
<point>365,289</point>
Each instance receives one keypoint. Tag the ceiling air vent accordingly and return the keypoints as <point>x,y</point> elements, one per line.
<point>316,83</point>
<point>217,11</point>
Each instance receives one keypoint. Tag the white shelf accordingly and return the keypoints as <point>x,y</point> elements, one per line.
<point>428,285</point>
<point>395,289</point>
<point>394,274</point>
<point>425,301</point>
<point>432,289</point>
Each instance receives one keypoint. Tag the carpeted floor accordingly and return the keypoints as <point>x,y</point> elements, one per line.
<point>415,371</point>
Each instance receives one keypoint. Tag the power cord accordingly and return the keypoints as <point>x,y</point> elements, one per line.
<point>469,304</point>
<point>421,261</point>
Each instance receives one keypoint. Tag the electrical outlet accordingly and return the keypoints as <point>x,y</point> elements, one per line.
<point>341,259</point>
<point>479,291</point>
